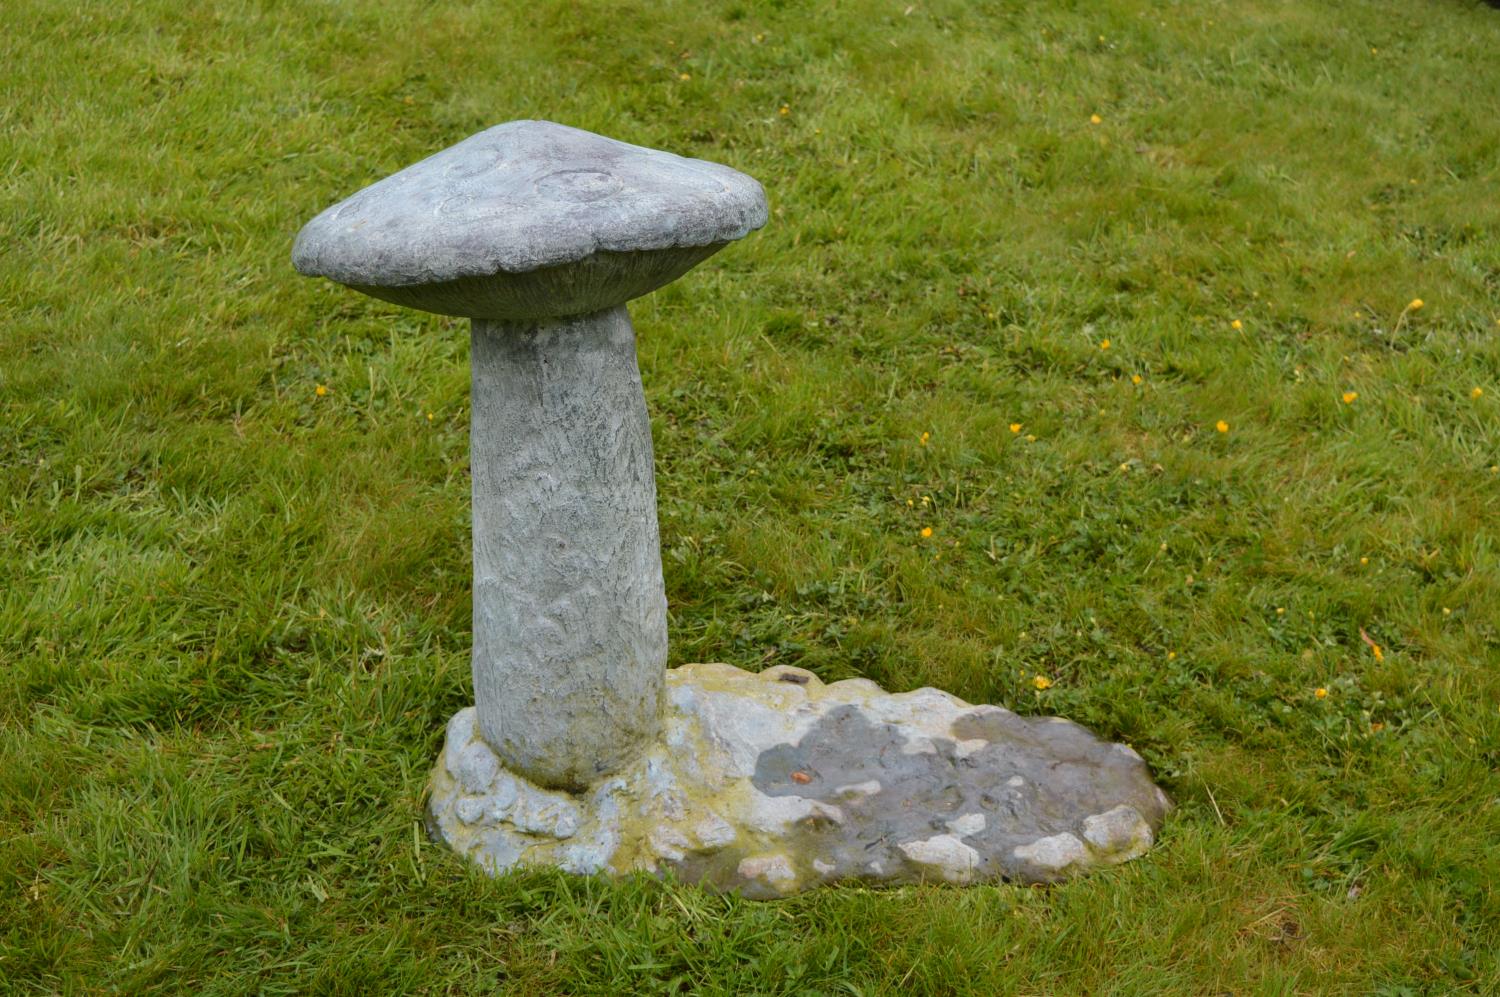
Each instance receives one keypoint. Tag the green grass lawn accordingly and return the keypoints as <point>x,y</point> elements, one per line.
<point>234,613</point>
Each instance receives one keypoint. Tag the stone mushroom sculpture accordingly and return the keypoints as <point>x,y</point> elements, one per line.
<point>540,233</point>
<point>582,751</point>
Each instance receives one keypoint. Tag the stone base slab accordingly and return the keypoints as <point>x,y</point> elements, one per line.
<point>775,782</point>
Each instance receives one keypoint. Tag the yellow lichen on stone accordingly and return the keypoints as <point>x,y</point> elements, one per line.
<point>776,782</point>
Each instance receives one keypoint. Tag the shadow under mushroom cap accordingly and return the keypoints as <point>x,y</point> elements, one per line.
<point>530,219</point>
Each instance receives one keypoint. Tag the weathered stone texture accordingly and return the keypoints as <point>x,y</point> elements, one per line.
<point>570,616</point>
<point>775,783</point>
<point>540,233</point>
<point>582,751</point>
<point>530,219</point>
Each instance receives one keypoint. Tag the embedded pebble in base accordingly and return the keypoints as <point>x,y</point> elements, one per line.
<point>1121,831</point>
<point>945,855</point>
<point>774,783</point>
<point>1055,853</point>
<point>774,869</point>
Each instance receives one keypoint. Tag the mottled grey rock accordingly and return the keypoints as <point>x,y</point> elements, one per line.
<point>530,220</point>
<point>583,753</point>
<point>570,615</point>
<point>775,783</point>
<point>540,233</point>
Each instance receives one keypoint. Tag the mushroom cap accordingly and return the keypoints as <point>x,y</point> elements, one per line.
<point>530,219</point>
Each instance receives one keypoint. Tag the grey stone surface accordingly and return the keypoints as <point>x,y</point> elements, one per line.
<point>774,783</point>
<point>582,752</point>
<point>570,616</point>
<point>530,219</point>
<point>540,233</point>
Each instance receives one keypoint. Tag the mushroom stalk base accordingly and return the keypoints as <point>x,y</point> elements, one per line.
<point>773,783</point>
<point>570,616</point>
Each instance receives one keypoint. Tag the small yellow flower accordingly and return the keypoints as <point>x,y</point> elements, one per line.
<point>684,76</point>
<point>1015,427</point>
<point>910,504</point>
<point>321,390</point>
<point>1104,344</point>
<point>1222,426</point>
<point>1364,560</point>
<point>925,438</point>
<point>1171,655</point>
<point>1280,610</point>
<point>1094,119</point>
<point>1350,396</point>
<point>1416,305</point>
<point>1447,611</point>
<point>1375,650</point>
<point>1320,692</point>
<point>1135,379</point>
<point>1041,682</point>
<point>1477,393</point>
<point>1032,439</point>
<point>1236,325</point>
<point>926,532</point>
<point>785,110</point>
<point>429,416</point>
<point>1125,466</point>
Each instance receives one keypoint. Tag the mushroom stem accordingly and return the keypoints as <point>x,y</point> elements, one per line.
<point>570,629</point>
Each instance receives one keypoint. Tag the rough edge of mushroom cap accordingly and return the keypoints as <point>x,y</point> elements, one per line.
<point>444,218</point>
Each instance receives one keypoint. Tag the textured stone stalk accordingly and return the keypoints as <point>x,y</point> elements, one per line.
<point>570,633</point>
